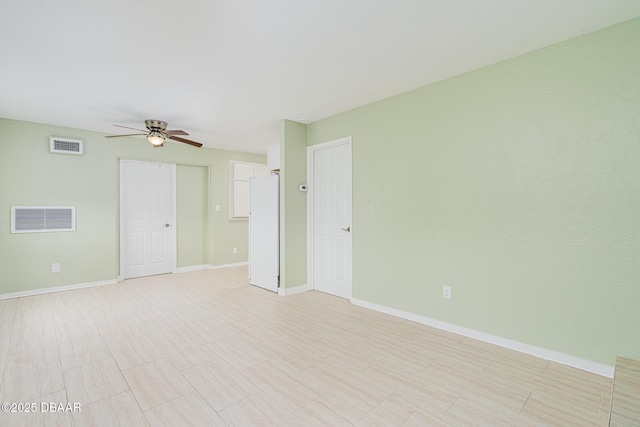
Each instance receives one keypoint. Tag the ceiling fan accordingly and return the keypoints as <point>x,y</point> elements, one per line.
<point>157,132</point>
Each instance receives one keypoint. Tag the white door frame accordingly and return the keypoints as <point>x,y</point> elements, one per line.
<point>310,205</point>
<point>174,228</point>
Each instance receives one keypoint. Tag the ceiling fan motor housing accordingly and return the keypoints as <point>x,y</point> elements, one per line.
<point>157,125</point>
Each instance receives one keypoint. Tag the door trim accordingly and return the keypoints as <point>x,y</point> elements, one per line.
<point>174,213</point>
<point>310,205</point>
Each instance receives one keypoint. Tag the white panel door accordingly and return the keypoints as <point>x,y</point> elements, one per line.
<point>263,232</point>
<point>332,220</point>
<point>149,237</point>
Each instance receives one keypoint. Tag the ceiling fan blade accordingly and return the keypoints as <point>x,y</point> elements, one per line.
<point>127,127</point>
<point>131,134</point>
<point>175,132</point>
<point>186,141</point>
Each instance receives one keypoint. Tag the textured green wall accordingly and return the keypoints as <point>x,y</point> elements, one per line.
<point>518,185</point>
<point>30,175</point>
<point>293,204</point>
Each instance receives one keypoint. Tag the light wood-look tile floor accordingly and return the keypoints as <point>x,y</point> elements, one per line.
<point>208,349</point>
<point>625,405</point>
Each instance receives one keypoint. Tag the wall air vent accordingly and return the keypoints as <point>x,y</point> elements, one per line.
<point>65,145</point>
<point>39,219</point>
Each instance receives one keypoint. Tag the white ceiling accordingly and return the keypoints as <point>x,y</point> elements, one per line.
<point>227,71</point>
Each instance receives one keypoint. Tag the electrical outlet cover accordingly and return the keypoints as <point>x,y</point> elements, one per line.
<point>446,292</point>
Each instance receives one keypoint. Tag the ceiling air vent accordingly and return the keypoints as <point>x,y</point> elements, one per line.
<point>65,145</point>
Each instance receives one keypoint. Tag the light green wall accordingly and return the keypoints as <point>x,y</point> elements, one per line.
<point>518,185</point>
<point>192,210</point>
<point>30,175</point>
<point>293,204</point>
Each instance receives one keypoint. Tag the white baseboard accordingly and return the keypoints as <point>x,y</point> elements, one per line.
<point>235,264</point>
<point>192,268</point>
<point>41,291</point>
<point>57,289</point>
<point>208,267</point>
<point>543,353</point>
<point>293,291</point>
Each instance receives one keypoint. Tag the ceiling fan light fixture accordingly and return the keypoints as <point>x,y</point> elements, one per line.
<point>155,138</point>
<point>157,132</point>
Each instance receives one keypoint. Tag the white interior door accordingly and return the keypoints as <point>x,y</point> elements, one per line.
<point>331,192</point>
<point>148,218</point>
<point>263,232</point>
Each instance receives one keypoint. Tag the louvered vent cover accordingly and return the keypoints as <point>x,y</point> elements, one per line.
<point>65,145</point>
<point>38,219</point>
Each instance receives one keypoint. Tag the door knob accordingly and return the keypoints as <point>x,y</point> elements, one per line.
<point>167,225</point>
<point>348,229</point>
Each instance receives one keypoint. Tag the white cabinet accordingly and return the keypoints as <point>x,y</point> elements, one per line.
<point>239,175</point>
<point>260,170</point>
